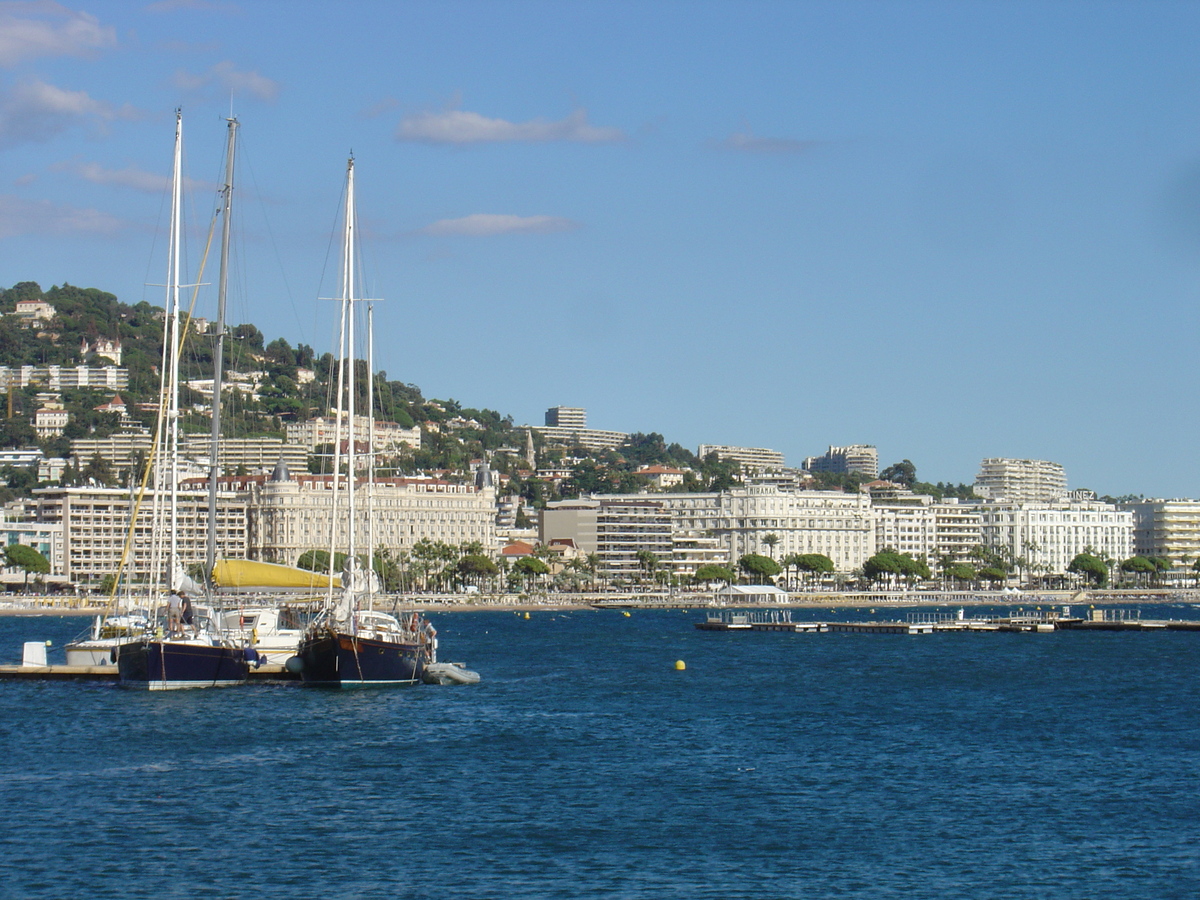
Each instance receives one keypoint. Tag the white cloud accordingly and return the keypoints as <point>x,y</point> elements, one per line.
<point>458,126</point>
<point>36,111</point>
<point>488,225</point>
<point>32,30</point>
<point>168,6</point>
<point>225,77</point>
<point>19,216</point>
<point>748,142</point>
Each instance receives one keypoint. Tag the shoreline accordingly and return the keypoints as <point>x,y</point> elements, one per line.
<point>56,606</point>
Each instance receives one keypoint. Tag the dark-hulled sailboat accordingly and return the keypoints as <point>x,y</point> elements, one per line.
<point>350,644</point>
<point>180,654</point>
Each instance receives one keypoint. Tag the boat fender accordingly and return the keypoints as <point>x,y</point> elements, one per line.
<point>251,656</point>
<point>294,664</point>
<point>112,655</point>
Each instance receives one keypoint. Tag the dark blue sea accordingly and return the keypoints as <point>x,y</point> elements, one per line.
<point>1061,765</point>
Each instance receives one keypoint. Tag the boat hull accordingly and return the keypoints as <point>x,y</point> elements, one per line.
<point>340,660</point>
<point>160,665</point>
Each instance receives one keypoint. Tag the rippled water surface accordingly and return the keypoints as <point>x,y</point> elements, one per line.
<point>776,765</point>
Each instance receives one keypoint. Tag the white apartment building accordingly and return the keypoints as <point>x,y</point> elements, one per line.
<point>95,524</point>
<point>925,528</point>
<point>753,459</point>
<point>1049,535</point>
<point>588,438</point>
<point>839,525</point>
<point>389,436</point>
<point>1021,481</point>
<point>1167,528</point>
<point>289,516</point>
<point>56,378</point>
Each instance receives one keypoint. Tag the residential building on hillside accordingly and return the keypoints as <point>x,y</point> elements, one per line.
<point>389,436</point>
<point>566,417</point>
<point>290,515</point>
<point>119,450</point>
<point>752,459</point>
<point>101,348</point>
<point>252,454</point>
<point>1050,535</point>
<point>1167,528</point>
<point>1021,481</point>
<point>860,459</point>
<point>33,313</point>
<point>56,378</point>
<point>587,438</point>
<point>661,477</point>
<point>50,420</point>
<point>95,523</point>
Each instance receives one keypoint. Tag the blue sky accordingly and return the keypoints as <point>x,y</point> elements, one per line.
<point>952,230</point>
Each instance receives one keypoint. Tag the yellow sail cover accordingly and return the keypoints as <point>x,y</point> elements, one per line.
<point>249,573</point>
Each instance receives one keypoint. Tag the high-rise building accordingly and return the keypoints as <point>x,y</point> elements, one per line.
<point>566,417</point>
<point>1021,481</point>
<point>757,459</point>
<point>616,529</point>
<point>1167,528</point>
<point>861,459</point>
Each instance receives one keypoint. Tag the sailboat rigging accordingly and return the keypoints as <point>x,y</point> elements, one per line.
<point>182,654</point>
<point>350,644</point>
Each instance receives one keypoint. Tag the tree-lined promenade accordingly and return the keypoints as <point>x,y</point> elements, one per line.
<point>878,602</point>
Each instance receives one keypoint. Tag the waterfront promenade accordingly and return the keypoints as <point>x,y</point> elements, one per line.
<point>73,605</point>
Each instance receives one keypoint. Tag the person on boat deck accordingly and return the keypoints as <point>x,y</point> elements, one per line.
<point>185,609</point>
<point>174,612</point>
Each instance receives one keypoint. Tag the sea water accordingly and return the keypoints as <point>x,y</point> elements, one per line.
<point>586,764</point>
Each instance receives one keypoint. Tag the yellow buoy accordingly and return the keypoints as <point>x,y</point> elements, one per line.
<point>680,665</point>
<point>527,615</point>
<point>625,614</point>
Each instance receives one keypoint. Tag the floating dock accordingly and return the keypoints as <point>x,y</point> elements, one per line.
<point>1037,622</point>
<point>262,675</point>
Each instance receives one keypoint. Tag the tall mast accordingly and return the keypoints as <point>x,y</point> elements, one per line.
<point>210,556</point>
<point>176,242</point>
<point>348,300</point>
<point>370,455</point>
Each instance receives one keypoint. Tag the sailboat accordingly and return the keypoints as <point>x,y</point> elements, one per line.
<point>181,654</point>
<point>350,644</point>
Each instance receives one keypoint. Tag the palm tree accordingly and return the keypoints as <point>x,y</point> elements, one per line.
<point>772,541</point>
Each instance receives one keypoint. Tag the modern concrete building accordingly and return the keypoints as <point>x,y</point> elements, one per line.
<point>95,526</point>
<point>861,459</point>
<point>44,537</point>
<point>1021,481</point>
<point>56,378</point>
<point>566,417</point>
<point>752,459</point>
<point>587,438</point>
<point>1167,528</point>
<point>614,528</point>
